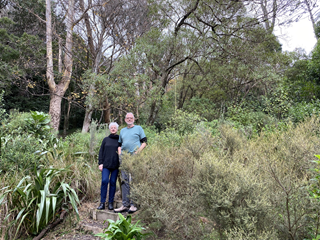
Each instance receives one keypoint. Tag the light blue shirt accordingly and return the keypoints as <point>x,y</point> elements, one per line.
<point>130,138</point>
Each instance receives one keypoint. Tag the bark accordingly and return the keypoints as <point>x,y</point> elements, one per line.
<point>106,111</point>
<point>311,17</point>
<point>57,91</point>
<point>87,121</point>
<point>49,73</point>
<point>66,119</point>
<point>60,56</point>
<point>269,25</point>
<point>55,107</point>
<point>155,107</point>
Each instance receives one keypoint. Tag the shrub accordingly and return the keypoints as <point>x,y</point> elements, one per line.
<point>38,124</point>
<point>303,110</point>
<point>20,153</point>
<point>232,196</point>
<point>184,123</point>
<point>227,186</point>
<point>161,185</point>
<point>123,229</point>
<point>36,200</point>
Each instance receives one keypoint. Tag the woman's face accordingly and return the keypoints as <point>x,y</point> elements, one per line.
<point>113,129</point>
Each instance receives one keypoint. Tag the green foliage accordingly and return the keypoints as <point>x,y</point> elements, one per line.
<point>314,193</point>
<point>123,229</point>
<point>251,121</point>
<point>227,186</point>
<point>277,103</point>
<point>24,137</point>
<point>19,54</point>
<point>36,200</point>
<point>317,29</point>
<point>315,186</point>
<point>304,110</point>
<point>38,124</point>
<point>183,123</point>
<point>2,110</point>
<point>20,153</point>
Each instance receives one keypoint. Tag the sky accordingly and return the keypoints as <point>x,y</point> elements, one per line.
<point>297,35</point>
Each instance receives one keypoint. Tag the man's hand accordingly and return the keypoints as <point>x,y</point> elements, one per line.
<point>143,145</point>
<point>101,167</point>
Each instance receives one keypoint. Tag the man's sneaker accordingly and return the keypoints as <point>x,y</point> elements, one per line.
<point>121,209</point>
<point>132,209</point>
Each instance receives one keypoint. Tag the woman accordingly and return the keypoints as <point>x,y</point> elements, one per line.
<point>109,166</point>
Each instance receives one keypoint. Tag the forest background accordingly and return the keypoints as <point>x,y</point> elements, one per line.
<point>190,71</point>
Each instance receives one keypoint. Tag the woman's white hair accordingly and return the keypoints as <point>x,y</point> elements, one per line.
<point>113,124</point>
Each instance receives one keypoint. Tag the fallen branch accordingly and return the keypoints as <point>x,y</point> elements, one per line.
<point>52,225</point>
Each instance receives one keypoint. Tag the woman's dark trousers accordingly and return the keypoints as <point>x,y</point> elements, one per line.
<point>113,173</point>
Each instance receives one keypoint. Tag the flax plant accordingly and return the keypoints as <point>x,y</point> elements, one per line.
<point>37,200</point>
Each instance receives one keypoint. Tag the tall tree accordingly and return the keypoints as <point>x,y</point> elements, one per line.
<point>109,30</point>
<point>313,9</point>
<point>57,90</point>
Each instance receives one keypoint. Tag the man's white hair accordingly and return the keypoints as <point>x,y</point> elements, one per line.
<point>113,124</point>
<point>130,113</point>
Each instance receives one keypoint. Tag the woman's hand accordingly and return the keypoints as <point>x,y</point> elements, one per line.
<point>101,167</point>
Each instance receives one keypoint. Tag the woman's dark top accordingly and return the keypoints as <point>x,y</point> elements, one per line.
<point>108,154</point>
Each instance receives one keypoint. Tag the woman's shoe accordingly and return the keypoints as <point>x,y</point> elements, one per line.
<point>110,205</point>
<point>121,209</point>
<point>101,206</point>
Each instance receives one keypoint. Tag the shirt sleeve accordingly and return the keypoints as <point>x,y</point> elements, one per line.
<point>141,134</point>
<point>120,140</point>
<point>101,152</point>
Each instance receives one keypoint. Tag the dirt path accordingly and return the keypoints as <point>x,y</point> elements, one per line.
<point>71,229</point>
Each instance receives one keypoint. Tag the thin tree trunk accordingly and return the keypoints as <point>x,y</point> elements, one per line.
<point>311,17</point>
<point>66,119</point>
<point>87,120</point>
<point>57,91</point>
<point>55,108</point>
<point>60,56</point>
<point>106,112</point>
<point>120,116</point>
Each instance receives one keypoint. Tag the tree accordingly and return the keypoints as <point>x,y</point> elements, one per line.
<point>311,7</point>
<point>109,30</point>
<point>57,90</point>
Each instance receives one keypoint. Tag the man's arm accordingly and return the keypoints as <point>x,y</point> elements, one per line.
<point>143,145</point>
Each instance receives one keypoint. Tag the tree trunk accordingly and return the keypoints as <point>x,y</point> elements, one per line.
<point>120,116</point>
<point>57,91</point>
<point>106,111</point>
<point>66,119</point>
<point>55,108</point>
<point>87,120</point>
<point>311,17</point>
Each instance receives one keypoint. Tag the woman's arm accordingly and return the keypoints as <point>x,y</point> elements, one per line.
<point>119,150</point>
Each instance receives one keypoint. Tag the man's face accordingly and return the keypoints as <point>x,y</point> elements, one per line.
<point>129,119</point>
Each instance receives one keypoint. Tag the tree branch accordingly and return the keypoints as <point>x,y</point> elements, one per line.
<point>177,28</point>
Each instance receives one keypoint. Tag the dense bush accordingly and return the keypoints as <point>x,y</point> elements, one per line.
<point>24,136</point>
<point>20,154</point>
<point>228,186</point>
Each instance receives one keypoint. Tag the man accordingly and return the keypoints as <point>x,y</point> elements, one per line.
<point>132,140</point>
